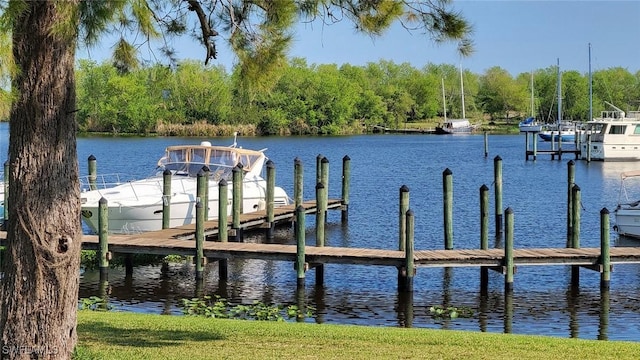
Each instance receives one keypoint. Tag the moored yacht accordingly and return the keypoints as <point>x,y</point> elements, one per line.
<point>615,136</point>
<point>136,206</point>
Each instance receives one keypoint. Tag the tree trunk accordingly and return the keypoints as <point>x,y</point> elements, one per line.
<point>41,266</point>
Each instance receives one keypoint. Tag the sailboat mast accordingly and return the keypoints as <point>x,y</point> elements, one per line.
<point>559,95</point>
<point>590,87</point>
<point>532,111</point>
<point>462,91</point>
<point>444,101</point>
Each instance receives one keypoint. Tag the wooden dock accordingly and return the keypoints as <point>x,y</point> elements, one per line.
<point>556,151</point>
<point>248,221</point>
<point>359,256</point>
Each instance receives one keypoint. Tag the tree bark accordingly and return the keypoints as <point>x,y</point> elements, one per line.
<point>41,266</point>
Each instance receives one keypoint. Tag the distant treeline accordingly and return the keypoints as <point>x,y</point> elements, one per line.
<point>193,99</point>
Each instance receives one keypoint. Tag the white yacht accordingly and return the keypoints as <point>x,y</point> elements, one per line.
<point>615,136</point>
<point>627,213</point>
<point>136,206</point>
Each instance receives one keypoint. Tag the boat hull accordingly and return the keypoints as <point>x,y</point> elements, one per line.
<point>553,136</point>
<point>628,222</point>
<point>138,207</point>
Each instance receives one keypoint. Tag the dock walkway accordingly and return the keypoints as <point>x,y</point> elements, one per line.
<point>360,256</point>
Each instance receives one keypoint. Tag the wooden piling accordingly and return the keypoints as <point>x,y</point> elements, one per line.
<point>93,172</point>
<point>575,236</point>
<point>319,168</point>
<point>103,238</point>
<point>223,210</point>
<point>346,184</point>
<point>508,312</point>
<point>300,248</point>
<point>409,266</point>
<point>270,195</point>
<point>321,212</point>
<point>484,234</point>
<point>200,219</point>
<point>402,221</point>
<point>223,235</point>
<point>508,250</point>
<point>236,204</point>
<point>205,192</point>
<point>526,146</point>
<point>447,190</point>
<point>605,257</point>
<point>166,199</point>
<point>298,174</point>
<point>589,147</point>
<point>535,146</point>
<point>324,166</point>
<point>605,306</point>
<point>486,144</point>
<point>497,181</point>
<point>571,178</point>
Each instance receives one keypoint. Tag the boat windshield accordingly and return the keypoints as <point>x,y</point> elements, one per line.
<point>189,160</point>
<point>595,127</point>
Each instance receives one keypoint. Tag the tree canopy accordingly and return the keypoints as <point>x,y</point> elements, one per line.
<point>38,301</point>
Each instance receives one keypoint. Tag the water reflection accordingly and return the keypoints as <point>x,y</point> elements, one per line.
<point>566,312</point>
<point>542,302</point>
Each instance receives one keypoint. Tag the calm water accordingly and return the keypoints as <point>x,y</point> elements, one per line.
<point>542,302</point>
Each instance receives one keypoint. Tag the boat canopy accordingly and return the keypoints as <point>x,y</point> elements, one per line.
<point>189,159</point>
<point>528,120</point>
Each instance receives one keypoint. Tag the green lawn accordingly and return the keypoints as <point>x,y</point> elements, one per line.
<point>124,335</point>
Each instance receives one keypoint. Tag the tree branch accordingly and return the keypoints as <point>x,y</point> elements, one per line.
<point>207,32</point>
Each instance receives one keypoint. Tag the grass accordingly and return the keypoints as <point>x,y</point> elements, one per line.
<point>123,335</point>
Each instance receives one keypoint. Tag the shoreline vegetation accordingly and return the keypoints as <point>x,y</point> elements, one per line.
<point>191,99</point>
<point>122,335</point>
<point>202,129</point>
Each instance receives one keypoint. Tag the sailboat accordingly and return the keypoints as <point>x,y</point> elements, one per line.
<point>455,126</point>
<point>563,130</point>
<point>530,124</point>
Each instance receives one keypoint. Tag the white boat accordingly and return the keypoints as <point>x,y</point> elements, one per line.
<point>627,213</point>
<point>136,206</point>
<point>530,124</point>
<point>455,126</point>
<point>562,130</point>
<point>614,136</point>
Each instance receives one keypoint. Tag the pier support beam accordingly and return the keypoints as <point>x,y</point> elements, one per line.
<point>93,172</point>
<point>571,178</point>
<point>199,253</point>
<point>223,235</point>
<point>575,236</point>
<point>486,144</point>
<point>508,251</point>
<point>103,238</point>
<point>300,265</point>
<point>271,185</point>
<point>484,235</point>
<point>605,257</point>
<point>497,181</point>
<point>166,199</point>
<point>346,184</point>
<point>447,192</point>
<point>237,202</point>
<point>321,213</point>
<point>408,271</point>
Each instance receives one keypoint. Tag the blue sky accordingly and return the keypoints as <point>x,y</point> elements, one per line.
<point>516,35</point>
